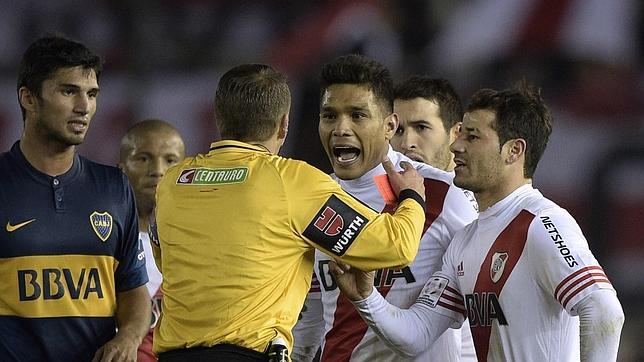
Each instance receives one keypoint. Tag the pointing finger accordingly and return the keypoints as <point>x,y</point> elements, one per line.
<point>388,166</point>
<point>406,166</point>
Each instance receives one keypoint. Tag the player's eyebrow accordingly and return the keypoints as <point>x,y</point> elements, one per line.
<point>76,87</point>
<point>470,129</point>
<point>418,121</point>
<point>359,107</point>
<point>351,108</point>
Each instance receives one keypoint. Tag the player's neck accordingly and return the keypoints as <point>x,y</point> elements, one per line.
<point>144,212</point>
<point>50,158</point>
<point>144,223</point>
<point>271,145</point>
<point>491,196</point>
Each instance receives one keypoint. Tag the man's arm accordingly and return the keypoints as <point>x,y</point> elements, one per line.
<point>601,319</point>
<point>408,332</point>
<point>309,330</point>
<point>330,219</point>
<point>133,321</point>
<point>576,281</point>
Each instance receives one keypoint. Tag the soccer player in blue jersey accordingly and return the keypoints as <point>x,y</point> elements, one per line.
<point>73,269</point>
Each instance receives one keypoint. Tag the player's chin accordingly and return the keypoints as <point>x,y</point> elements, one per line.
<point>461,180</point>
<point>149,191</point>
<point>346,172</point>
<point>76,139</point>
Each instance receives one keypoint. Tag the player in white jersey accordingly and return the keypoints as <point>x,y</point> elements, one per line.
<point>356,123</point>
<point>430,114</point>
<point>523,272</point>
<point>147,150</point>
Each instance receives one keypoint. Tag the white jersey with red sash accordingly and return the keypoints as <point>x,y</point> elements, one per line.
<point>144,352</point>
<point>449,208</point>
<point>517,272</point>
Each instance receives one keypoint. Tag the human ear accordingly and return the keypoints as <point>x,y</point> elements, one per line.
<point>515,149</point>
<point>283,128</point>
<point>391,125</point>
<point>27,98</point>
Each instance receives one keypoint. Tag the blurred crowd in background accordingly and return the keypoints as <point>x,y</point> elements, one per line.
<point>163,60</point>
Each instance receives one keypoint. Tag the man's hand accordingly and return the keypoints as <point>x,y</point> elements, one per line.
<point>407,179</point>
<point>121,348</point>
<point>133,316</point>
<point>355,284</point>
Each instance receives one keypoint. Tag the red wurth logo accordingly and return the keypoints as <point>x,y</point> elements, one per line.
<point>330,223</point>
<point>335,226</point>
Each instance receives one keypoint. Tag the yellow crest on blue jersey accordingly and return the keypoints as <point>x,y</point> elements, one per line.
<point>102,224</point>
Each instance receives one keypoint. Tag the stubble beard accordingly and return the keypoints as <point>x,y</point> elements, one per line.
<point>51,134</point>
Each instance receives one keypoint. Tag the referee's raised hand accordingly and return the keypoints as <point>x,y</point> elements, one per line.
<point>408,178</point>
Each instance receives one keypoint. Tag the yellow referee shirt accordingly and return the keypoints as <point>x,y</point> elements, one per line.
<point>237,229</point>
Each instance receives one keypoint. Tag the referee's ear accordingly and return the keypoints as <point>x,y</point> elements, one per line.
<point>283,128</point>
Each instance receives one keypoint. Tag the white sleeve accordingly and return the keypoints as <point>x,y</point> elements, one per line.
<point>601,319</point>
<point>308,332</point>
<point>410,332</point>
<point>567,268</point>
<point>460,209</point>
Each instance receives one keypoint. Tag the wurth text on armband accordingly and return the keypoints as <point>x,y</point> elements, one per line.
<point>348,234</point>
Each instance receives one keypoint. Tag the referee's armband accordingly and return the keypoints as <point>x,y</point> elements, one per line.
<point>335,226</point>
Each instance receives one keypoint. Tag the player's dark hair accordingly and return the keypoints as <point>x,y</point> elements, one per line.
<point>48,54</point>
<point>434,90</point>
<point>520,112</point>
<point>360,70</point>
<point>250,101</point>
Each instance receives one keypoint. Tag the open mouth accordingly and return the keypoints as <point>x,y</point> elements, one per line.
<point>77,126</point>
<point>345,154</point>
<point>458,163</point>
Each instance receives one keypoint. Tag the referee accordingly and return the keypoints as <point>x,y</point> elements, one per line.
<point>236,229</point>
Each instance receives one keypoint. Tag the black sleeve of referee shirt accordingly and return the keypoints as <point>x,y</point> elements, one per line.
<point>411,194</point>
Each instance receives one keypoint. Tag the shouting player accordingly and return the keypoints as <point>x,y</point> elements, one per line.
<point>522,272</point>
<point>356,124</point>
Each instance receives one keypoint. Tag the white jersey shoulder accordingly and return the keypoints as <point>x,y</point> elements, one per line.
<point>517,272</point>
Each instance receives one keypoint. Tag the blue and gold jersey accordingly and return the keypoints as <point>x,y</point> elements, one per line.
<point>68,244</point>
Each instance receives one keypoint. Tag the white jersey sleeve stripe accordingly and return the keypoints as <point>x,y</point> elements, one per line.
<point>450,302</point>
<point>455,301</point>
<point>578,281</point>
<point>573,275</point>
<point>596,276</point>
<point>584,286</point>
<point>455,294</point>
<point>456,308</point>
